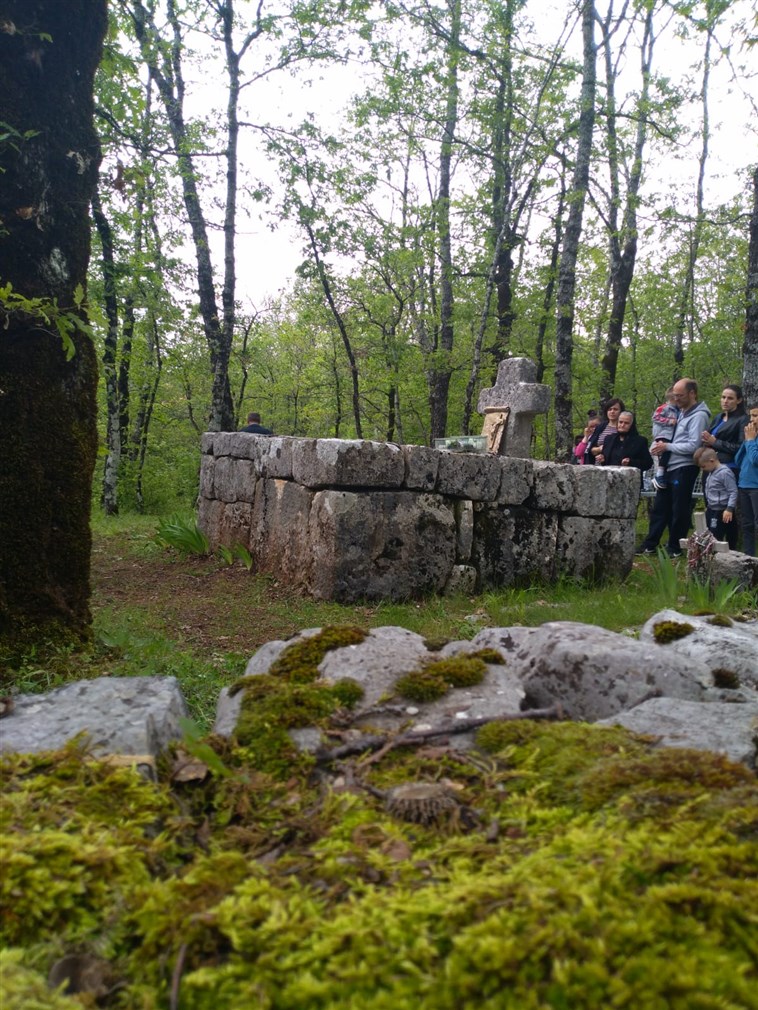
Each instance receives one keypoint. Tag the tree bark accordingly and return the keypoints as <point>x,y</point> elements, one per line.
<point>564,344</point>
<point>750,346</point>
<point>49,52</point>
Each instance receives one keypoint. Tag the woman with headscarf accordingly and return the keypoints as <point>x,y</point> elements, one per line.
<point>626,447</point>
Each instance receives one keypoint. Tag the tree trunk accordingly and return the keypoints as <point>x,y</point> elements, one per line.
<point>109,496</point>
<point>750,346</point>
<point>623,244</point>
<point>441,369</point>
<point>564,345</point>
<point>49,52</point>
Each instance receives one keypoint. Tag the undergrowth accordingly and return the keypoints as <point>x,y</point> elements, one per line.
<point>590,871</point>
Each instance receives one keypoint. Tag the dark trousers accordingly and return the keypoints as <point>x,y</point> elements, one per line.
<point>748,497</point>
<point>720,529</point>
<point>672,508</point>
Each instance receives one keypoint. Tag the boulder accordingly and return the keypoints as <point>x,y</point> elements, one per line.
<point>731,730</point>
<point>592,673</point>
<point>119,715</point>
<point>727,652</point>
<point>353,463</point>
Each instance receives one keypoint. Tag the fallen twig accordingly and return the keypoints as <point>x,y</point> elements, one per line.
<point>387,742</point>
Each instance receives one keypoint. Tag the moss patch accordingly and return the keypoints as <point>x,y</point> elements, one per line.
<point>671,631</point>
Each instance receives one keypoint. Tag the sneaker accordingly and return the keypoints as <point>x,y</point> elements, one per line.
<point>660,481</point>
<point>675,554</point>
<point>645,550</point>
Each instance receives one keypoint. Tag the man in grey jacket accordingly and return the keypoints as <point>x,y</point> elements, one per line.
<point>672,507</point>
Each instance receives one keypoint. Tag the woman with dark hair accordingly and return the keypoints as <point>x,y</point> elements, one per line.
<point>608,424</point>
<point>626,447</point>
<point>726,433</point>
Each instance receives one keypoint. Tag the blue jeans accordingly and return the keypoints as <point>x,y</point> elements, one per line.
<point>672,508</point>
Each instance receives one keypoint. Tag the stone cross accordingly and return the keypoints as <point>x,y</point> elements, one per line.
<point>511,405</point>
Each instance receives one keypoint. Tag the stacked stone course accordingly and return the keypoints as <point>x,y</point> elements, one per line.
<point>352,519</point>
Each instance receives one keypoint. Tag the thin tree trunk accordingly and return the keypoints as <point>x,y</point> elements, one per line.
<point>441,368</point>
<point>750,346</point>
<point>547,298</point>
<point>686,298</point>
<point>564,348</point>
<point>624,245</point>
<point>109,495</point>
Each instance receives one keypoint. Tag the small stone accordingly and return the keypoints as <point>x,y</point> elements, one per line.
<point>421,727</point>
<point>412,711</point>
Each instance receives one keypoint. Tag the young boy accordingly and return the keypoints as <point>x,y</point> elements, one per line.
<point>664,421</point>
<point>747,460</point>
<point>720,496</point>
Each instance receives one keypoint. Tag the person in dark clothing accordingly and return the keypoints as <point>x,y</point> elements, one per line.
<point>726,433</point>
<point>626,447</point>
<point>611,410</point>
<point>254,425</point>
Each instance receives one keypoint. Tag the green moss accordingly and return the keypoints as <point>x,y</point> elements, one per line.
<point>491,656</point>
<point>726,678</point>
<point>347,691</point>
<point>421,686</point>
<point>435,644</point>
<point>435,678</point>
<point>671,631</point>
<point>622,875</point>
<point>721,621</point>
<point>300,660</point>
<point>26,989</point>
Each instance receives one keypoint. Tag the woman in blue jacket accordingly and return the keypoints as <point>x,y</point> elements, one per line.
<point>747,460</point>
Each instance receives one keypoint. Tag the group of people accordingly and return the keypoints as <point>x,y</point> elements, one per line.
<point>684,443</point>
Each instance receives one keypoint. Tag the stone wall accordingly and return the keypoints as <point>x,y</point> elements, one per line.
<point>349,519</point>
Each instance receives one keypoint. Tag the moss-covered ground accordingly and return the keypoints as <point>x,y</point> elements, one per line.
<point>581,868</point>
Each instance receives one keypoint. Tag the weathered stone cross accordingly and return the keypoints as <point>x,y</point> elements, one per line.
<point>510,406</point>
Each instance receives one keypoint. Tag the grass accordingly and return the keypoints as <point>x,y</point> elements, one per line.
<point>165,613</point>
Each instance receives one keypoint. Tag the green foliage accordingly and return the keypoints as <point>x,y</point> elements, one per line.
<point>666,579</point>
<point>47,315</point>
<point>26,989</point>
<point>701,594</point>
<point>183,535</point>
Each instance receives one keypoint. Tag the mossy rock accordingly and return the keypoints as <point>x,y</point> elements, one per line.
<point>671,631</point>
<point>606,873</point>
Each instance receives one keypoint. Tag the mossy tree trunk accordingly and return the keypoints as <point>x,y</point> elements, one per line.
<point>49,157</point>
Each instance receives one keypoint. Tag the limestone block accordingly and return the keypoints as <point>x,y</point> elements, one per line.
<point>492,549</point>
<point>595,549</point>
<point>516,480</point>
<point>731,730</point>
<point>390,545</point>
<point>234,524</point>
<point>554,489</point>
<point>120,715</point>
<point>590,489</point>
<point>591,672</point>
<point>233,479</point>
<point>468,475</point>
<point>279,530</point>
<point>207,466</point>
<point>421,467</point>
<point>462,581</point>
<point>376,662</point>
<point>735,565</point>
<point>731,649</point>
<point>337,462</point>
<point>209,513</point>
<point>206,442</point>
<point>222,443</point>
<point>271,454</point>
<point>622,495</point>
<point>464,529</point>
<point>534,545</point>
